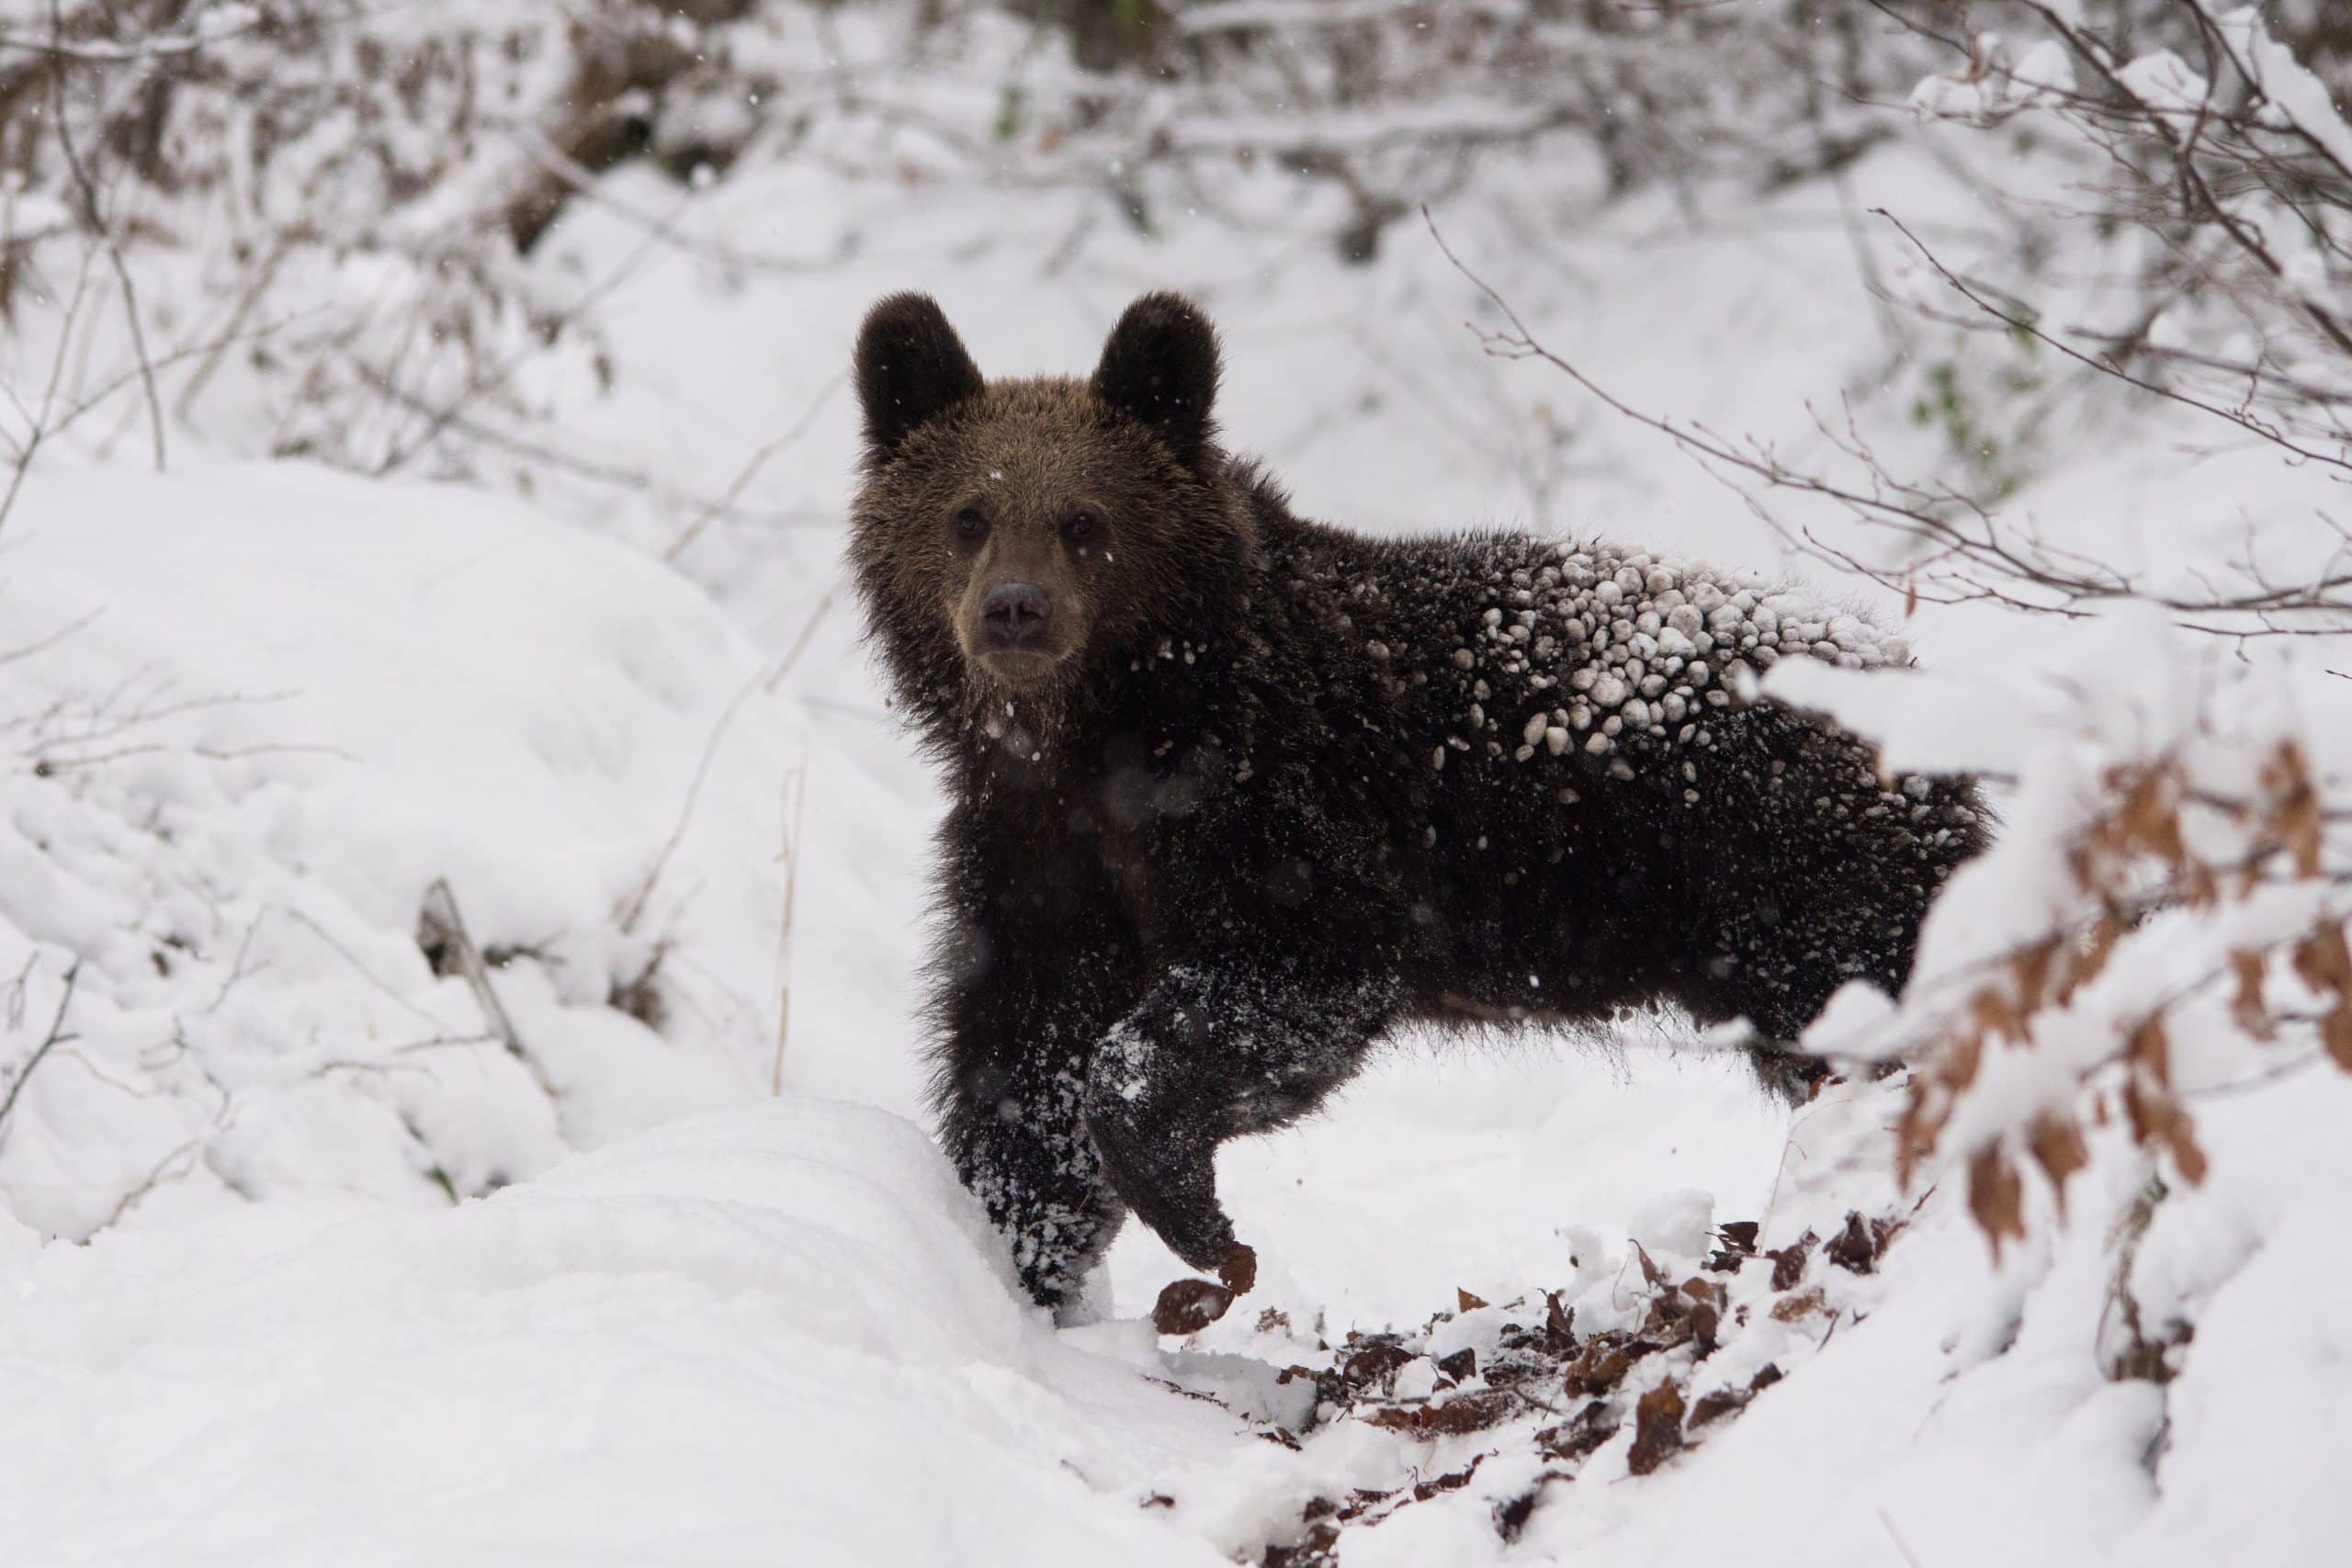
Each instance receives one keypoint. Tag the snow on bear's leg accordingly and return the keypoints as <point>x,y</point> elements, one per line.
<point>1213,1053</point>
<point>1030,974</point>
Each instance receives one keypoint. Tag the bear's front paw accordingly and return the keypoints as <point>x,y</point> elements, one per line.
<point>1168,1181</point>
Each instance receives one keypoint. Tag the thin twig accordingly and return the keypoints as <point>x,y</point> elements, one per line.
<point>800,644</point>
<point>40,430</point>
<point>734,491</point>
<point>632,909</point>
<point>95,212</point>
<point>57,1036</point>
<point>442,917</point>
<point>792,846</point>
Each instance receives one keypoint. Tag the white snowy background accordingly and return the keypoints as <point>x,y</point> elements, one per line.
<point>611,1232</point>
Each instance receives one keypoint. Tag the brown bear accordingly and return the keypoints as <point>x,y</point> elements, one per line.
<point>1235,794</point>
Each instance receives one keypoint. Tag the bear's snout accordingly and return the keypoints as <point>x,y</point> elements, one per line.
<point>1013,615</point>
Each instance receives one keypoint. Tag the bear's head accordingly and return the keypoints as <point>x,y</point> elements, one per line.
<point>1014,540</point>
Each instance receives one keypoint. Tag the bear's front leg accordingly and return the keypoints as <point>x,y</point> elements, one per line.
<point>1213,1053</point>
<point>1029,976</point>
<point>1018,1138</point>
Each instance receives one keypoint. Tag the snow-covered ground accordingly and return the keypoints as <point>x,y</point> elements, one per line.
<point>327,1236</point>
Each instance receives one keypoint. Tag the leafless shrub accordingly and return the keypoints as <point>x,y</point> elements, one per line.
<point>2202,135</point>
<point>400,162</point>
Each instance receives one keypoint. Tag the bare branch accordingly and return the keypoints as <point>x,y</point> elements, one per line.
<point>56,1036</point>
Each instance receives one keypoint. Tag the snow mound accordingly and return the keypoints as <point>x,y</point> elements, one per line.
<point>782,1329</point>
<point>253,716</point>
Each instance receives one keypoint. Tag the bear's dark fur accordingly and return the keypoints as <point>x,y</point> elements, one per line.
<point>1235,794</point>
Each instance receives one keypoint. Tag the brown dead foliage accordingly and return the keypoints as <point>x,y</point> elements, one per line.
<point>1582,1433</point>
<point>2056,1144</point>
<point>1787,1263</point>
<point>2324,960</point>
<point>2297,819</point>
<point>1324,1518</point>
<point>1802,1304</point>
<point>1376,1362</point>
<point>1657,1429</point>
<point>1535,1364</point>
<point>1859,1246</point>
<point>1559,1325</point>
<point>1738,1245</point>
<point>1462,1413</point>
<point>2137,857</point>
<point>2247,1010</point>
<point>1604,1362</point>
<point>1187,1306</point>
<point>1725,1401</point>
<point>1995,1196</point>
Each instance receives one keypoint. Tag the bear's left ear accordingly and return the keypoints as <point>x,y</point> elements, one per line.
<point>1160,367</point>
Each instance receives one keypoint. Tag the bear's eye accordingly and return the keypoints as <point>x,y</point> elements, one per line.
<point>969,524</point>
<point>1081,525</point>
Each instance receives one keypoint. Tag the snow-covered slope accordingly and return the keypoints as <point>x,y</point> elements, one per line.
<point>255,715</point>
<point>781,1333</point>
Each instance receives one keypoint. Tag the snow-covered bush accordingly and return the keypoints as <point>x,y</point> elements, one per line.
<point>355,845</point>
<point>2163,916</point>
<point>2161,919</point>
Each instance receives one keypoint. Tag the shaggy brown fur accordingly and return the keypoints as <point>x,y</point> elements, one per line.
<point>1235,794</point>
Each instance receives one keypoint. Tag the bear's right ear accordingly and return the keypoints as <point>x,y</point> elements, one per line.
<point>910,367</point>
<point>1160,367</point>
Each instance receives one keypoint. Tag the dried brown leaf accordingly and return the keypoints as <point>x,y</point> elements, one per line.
<point>1559,1325</point>
<point>1187,1306</point>
<point>1602,1365</point>
<point>1715,1405</point>
<point>1996,1196</point>
<point>1473,1412</point>
<point>2324,961</point>
<point>1857,1248</point>
<point>2159,1119</point>
<point>2056,1144</point>
<point>2295,814</point>
<point>2336,1032</point>
<point>2150,1049</point>
<point>1787,1263</point>
<point>2032,970</point>
<point>1706,1328</point>
<point>1996,1014</point>
<point>1376,1362</point>
<point>1650,1271</point>
<point>1581,1434</point>
<point>1657,1429</point>
<point>2247,1006</point>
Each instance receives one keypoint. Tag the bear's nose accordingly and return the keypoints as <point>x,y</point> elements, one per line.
<point>1014,613</point>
